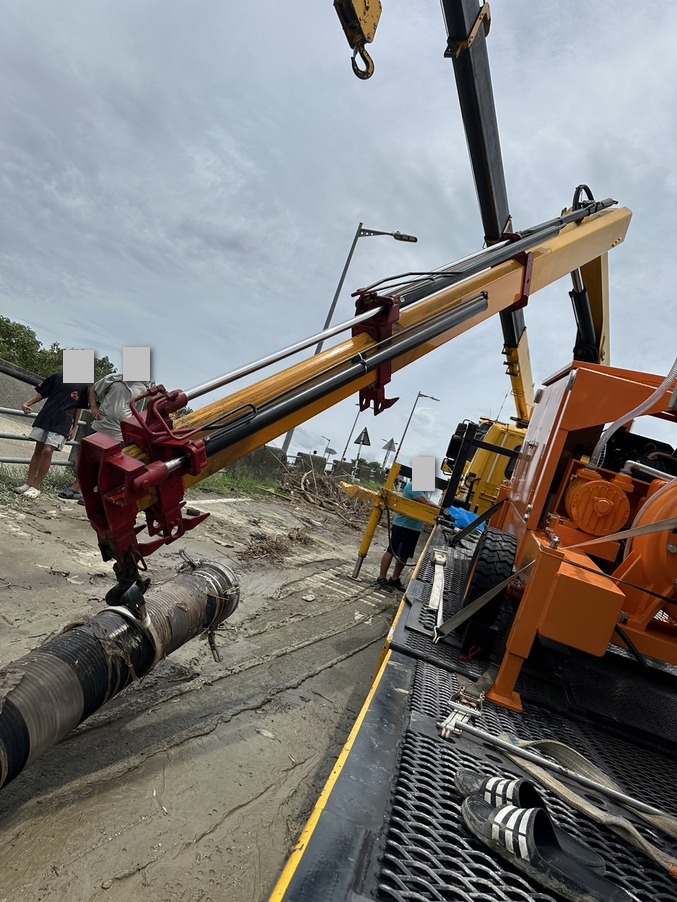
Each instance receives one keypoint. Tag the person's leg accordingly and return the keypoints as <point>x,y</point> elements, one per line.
<point>44,463</point>
<point>398,568</point>
<point>34,464</point>
<point>76,485</point>
<point>407,539</point>
<point>386,561</point>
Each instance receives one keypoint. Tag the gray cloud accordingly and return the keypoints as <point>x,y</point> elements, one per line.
<point>191,177</point>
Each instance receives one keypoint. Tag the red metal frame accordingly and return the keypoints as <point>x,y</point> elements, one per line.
<point>114,483</point>
<point>379,328</point>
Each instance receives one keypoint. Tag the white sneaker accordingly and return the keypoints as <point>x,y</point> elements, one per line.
<point>31,493</point>
<point>20,489</point>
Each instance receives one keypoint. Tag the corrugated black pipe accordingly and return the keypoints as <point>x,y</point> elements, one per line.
<point>48,692</point>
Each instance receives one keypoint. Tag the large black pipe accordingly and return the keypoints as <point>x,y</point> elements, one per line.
<point>48,692</point>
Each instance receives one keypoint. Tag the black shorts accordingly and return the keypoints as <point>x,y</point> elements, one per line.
<point>403,542</point>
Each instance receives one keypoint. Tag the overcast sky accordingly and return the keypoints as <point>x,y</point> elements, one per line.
<point>190,176</point>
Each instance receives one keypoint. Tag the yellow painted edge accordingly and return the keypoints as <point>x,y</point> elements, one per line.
<point>403,603</point>
<point>391,631</point>
<point>297,853</point>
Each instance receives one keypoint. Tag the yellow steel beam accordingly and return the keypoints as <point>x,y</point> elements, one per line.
<point>522,382</point>
<point>554,258</point>
<point>396,503</point>
<point>378,500</point>
<point>595,275</point>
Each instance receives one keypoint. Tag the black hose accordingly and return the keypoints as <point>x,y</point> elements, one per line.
<point>48,692</point>
<point>632,648</point>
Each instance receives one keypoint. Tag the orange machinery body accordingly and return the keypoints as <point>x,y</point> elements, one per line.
<point>580,587</point>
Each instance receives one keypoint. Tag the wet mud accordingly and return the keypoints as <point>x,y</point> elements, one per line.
<point>195,782</point>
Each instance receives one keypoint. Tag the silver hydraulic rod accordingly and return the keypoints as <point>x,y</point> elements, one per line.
<point>360,364</point>
<point>647,470</point>
<point>203,389</point>
<point>262,362</point>
<point>414,291</point>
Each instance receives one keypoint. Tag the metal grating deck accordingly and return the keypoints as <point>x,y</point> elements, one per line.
<point>392,828</point>
<point>429,854</point>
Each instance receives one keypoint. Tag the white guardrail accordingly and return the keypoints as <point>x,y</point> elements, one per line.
<point>12,436</point>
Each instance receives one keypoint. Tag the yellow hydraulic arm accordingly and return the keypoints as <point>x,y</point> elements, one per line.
<point>551,259</point>
<point>158,462</point>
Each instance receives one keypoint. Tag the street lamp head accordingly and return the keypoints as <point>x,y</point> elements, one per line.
<point>421,395</point>
<point>400,236</point>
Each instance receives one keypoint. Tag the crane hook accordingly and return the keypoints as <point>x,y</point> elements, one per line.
<point>368,70</point>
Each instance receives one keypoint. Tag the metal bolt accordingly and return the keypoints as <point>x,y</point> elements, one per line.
<point>672,549</point>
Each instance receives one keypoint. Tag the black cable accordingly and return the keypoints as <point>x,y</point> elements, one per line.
<point>632,648</point>
<point>492,256</point>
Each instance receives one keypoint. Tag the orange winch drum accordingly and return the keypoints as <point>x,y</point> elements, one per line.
<point>598,506</point>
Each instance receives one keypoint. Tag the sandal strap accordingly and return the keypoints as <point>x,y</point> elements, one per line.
<point>500,791</point>
<point>511,826</point>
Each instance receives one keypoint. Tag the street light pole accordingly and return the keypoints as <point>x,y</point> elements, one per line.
<point>334,300</point>
<point>419,395</point>
<point>345,450</point>
<point>359,233</point>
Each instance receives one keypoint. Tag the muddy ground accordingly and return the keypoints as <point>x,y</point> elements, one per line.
<point>194,783</point>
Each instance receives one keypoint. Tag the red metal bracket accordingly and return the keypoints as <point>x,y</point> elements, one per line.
<point>380,328</point>
<point>526,259</point>
<point>114,483</point>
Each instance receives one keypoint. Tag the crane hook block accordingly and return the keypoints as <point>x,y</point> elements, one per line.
<point>359,19</point>
<point>368,70</point>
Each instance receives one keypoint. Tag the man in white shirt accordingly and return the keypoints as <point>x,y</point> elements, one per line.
<point>109,403</point>
<point>109,400</point>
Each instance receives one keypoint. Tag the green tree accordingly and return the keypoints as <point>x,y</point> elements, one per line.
<point>21,346</point>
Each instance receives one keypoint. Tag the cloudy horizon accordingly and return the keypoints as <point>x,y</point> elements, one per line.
<point>190,178</point>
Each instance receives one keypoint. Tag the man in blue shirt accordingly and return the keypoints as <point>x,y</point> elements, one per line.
<point>403,539</point>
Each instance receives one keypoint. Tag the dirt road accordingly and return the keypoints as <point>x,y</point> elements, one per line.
<point>194,783</point>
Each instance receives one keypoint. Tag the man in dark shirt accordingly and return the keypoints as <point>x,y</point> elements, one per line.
<point>54,425</point>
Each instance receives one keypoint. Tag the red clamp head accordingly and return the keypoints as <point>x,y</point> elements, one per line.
<point>114,483</point>
<point>380,328</point>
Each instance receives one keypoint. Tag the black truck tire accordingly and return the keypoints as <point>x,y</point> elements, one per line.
<point>492,562</point>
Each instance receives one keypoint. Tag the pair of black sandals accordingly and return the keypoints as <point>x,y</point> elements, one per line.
<point>510,816</point>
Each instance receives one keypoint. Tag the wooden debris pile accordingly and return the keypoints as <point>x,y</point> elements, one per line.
<point>324,491</point>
